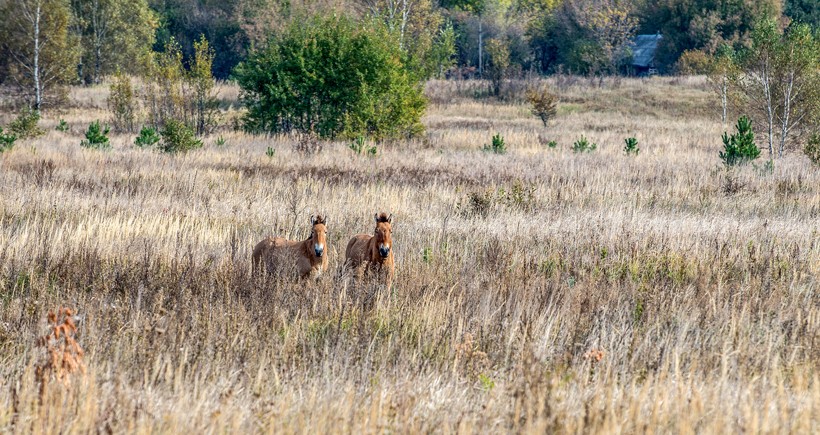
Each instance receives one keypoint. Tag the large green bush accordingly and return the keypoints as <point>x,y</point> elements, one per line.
<point>333,76</point>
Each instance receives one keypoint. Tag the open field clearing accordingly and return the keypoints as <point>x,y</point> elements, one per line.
<point>538,290</point>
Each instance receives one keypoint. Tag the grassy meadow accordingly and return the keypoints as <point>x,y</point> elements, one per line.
<point>537,291</point>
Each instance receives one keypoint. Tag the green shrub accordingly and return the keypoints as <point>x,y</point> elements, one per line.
<point>480,202</point>
<point>334,76</point>
<point>487,383</point>
<point>812,149</point>
<point>148,137</point>
<point>497,146</point>
<point>62,126</point>
<point>177,137</point>
<point>552,144</point>
<point>6,141</point>
<point>477,203</point>
<point>359,145</point>
<point>427,255</point>
<point>518,196</point>
<point>96,137</point>
<point>631,147</point>
<point>583,145</point>
<point>740,147</point>
<point>270,152</point>
<point>220,141</point>
<point>25,126</point>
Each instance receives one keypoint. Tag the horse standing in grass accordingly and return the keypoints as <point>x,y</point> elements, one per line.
<point>307,258</point>
<point>374,253</point>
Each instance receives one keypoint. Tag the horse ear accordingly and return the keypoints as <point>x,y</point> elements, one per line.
<point>390,218</point>
<point>312,220</point>
<point>376,217</point>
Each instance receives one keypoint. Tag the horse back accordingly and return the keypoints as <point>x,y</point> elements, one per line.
<point>262,247</point>
<point>269,248</point>
<point>357,249</point>
<point>259,252</point>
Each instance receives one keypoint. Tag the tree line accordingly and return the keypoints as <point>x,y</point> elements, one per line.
<point>354,68</point>
<point>81,41</point>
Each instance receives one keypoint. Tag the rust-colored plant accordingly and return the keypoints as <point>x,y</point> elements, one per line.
<point>64,355</point>
<point>594,355</point>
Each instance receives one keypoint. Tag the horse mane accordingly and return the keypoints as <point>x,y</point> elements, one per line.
<point>384,217</point>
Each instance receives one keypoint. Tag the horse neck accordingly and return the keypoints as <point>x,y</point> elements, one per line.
<point>307,250</point>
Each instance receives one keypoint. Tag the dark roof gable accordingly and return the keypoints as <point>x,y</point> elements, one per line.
<point>644,48</point>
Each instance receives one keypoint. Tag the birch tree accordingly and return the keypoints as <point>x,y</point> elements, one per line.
<point>721,72</point>
<point>114,34</point>
<point>758,78</point>
<point>419,28</point>
<point>781,82</point>
<point>43,54</point>
<point>798,84</point>
<point>394,13</point>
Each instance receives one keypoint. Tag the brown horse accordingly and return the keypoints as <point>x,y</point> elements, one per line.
<point>373,252</point>
<point>308,257</point>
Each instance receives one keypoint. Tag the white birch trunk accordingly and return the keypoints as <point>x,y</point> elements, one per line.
<point>38,91</point>
<point>724,96</point>
<point>767,94</point>
<point>480,49</point>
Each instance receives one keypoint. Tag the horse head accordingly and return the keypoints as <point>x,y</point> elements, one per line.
<point>384,241</point>
<point>319,234</point>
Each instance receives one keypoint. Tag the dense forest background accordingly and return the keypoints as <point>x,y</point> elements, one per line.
<point>93,38</point>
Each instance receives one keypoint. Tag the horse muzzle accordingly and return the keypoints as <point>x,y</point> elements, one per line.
<point>384,251</point>
<point>319,250</point>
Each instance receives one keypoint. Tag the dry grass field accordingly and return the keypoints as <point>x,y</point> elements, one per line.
<point>536,291</point>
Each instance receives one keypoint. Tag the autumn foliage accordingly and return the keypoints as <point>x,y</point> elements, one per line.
<point>63,354</point>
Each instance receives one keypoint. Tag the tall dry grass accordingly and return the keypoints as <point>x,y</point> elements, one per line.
<point>535,291</point>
